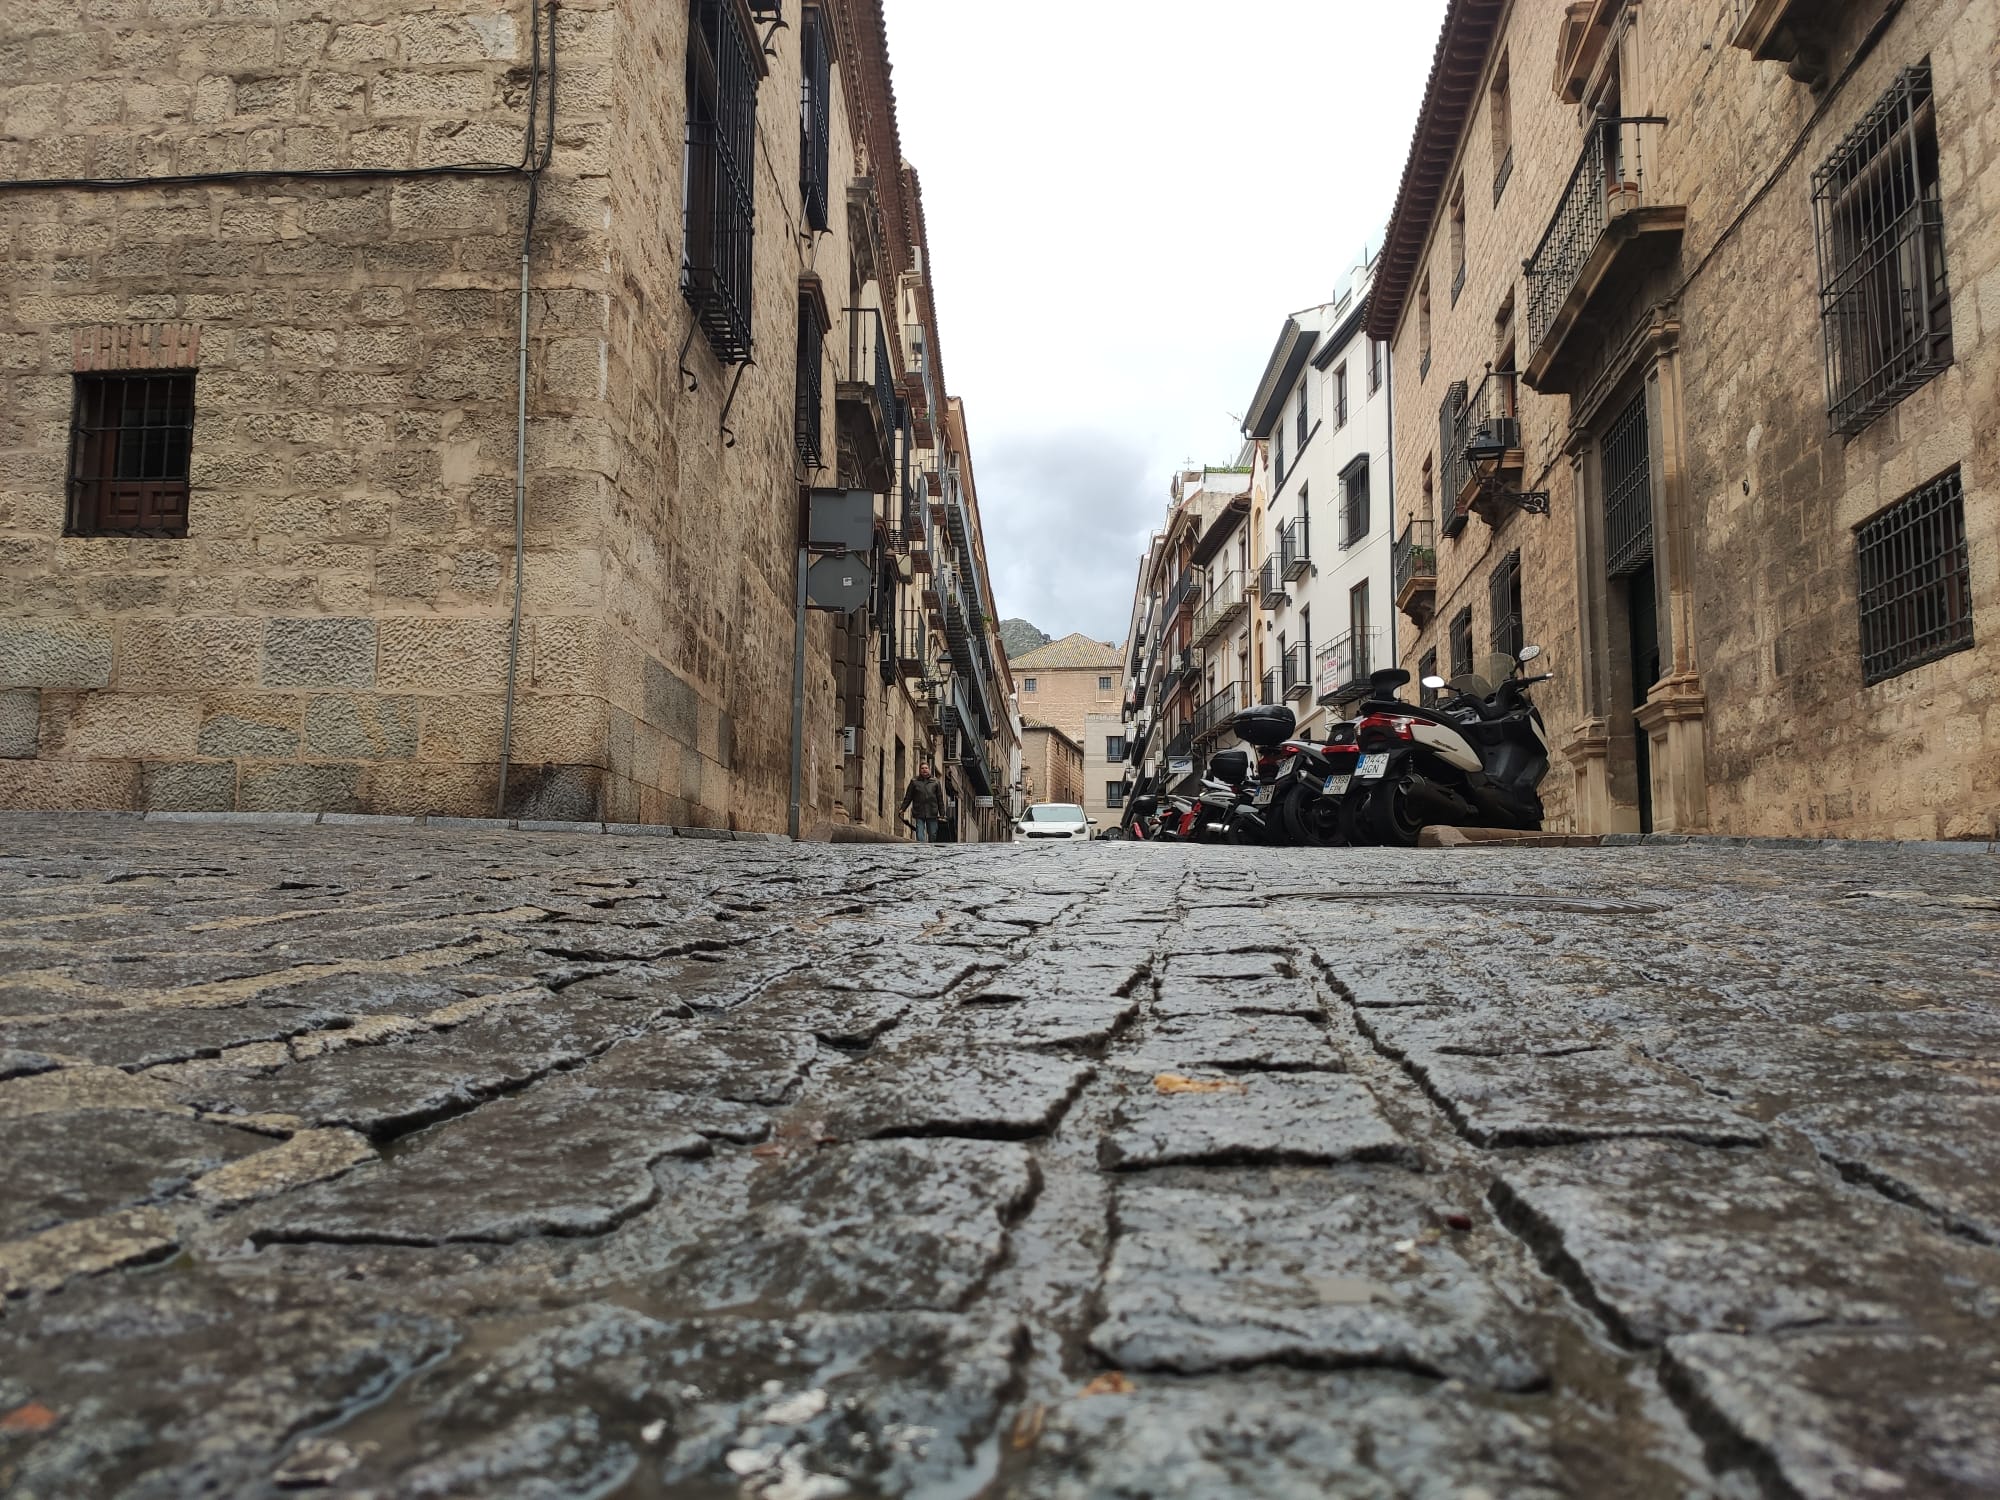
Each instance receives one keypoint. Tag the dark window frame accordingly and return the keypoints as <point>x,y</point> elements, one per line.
<point>1354,502</point>
<point>1114,795</point>
<point>1913,580</point>
<point>1427,666</point>
<point>1115,748</point>
<point>126,477</point>
<point>815,117</point>
<point>1625,459</point>
<point>810,384</point>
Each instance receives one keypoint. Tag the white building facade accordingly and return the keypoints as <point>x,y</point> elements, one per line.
<point>1325,589</point>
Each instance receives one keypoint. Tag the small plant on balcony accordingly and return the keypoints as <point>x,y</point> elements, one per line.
<point>1423,559</point>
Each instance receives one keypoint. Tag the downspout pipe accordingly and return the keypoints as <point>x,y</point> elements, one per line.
<point>536,166</point>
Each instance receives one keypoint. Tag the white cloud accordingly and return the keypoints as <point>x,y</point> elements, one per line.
<point>1123,204</point>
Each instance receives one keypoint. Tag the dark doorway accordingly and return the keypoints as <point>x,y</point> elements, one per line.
<point>1643,630</point>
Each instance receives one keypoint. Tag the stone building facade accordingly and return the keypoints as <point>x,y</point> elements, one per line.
<point>260,359</point>
<point>1066,681</point>
<point>1051,765</point>
<point>1693,311</point>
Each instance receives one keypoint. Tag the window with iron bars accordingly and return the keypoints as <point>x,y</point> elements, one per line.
<point>1461,642</point>
<point>1914,580</point>
<point>1354,502</point>
<point>815,116</point>
<point>810,383</point>
<point>131,435</point>
<point>1504,606</point>
<point>1427,666</point>
<point>1626,461</point>
<point>717,188</point>
<point>1304,404</point>
<point>1885,307</point>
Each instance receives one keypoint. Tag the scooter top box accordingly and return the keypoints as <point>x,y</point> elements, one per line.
<point>1265,725</point>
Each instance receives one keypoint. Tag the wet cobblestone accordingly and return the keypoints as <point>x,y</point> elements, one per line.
<point>462,1161</point>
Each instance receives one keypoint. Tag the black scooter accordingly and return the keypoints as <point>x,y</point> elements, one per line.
<point>1475,760</point>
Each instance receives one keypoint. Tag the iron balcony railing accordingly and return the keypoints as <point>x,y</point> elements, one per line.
<point>1270,587</point>
<point>868,363</point>
<point>1269,687</point>
<point>918,353</point>
<point>1182,744</point>
<point>1345,665</point>
<point>1413,560</point>
<point>1294,548</point>
<point>1217,710</point>
<point>1491,417</point>
<point>1609,180</point>
<point>1184,585</point>
<point>1223,604</point>
<point>1296,668</point>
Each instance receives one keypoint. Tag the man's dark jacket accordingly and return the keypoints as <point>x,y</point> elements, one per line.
<point>925,797</point>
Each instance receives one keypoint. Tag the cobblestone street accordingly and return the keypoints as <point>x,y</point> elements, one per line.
<point>427,1162</point>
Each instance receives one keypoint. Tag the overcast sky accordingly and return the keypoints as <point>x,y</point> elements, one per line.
<point>1124,202</point>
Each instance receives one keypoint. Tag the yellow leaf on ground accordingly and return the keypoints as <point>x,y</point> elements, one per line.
<point>1110,1383</point>
<point>1174,1083</point>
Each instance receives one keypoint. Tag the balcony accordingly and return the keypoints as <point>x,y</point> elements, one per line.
<point>1181,746</point>
<point>1216,712</point>
<point>865,401</point>
<point>1610,227</point>
<point>912,642</point>
<point>1793,32</point>
<point>1413,561</point>
<point>1344,668</point>
<point>1269,687</point>
<point>1294,549</point>
<point>917,533</point>
<point>1295,669</point>
<point>920,388</point>
<point>1488,423</point>
<point>1181,595</point>
<point>1224,603</point>
<point>1270,587</point>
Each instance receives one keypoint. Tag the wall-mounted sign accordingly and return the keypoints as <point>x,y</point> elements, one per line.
<point>839,580</point>
<point>840,521</point>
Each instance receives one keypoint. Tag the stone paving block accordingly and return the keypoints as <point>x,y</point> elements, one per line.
<point>867,1404</point>
<point>18,1064</point>
<point>1343,1273</point>
<point>66,1165</point>
<point>1662,1237</point>
<point>1936,1147</point>
<point>157,1391</point>
<point>1276,1043</point>
<point>1183,996</point>
<point>554,1160</point>
<point>1259,1118</point>
<point>976,1091</point>
<point>1282,1435</point>
<point>878,1225</point>
<point>397,1084</point>
<point>140,1038</point>
<point>1042,1023</point>
<point>1838,1413</point>
<point>739,1064</point>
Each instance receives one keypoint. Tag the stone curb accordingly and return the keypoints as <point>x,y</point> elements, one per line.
<point>1781,845</point>
<point>380,820</point>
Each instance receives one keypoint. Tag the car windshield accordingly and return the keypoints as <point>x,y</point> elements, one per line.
<point>1055,812</point>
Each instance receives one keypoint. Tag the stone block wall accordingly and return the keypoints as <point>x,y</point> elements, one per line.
<point>1797,742</point>
<point>332,632</point>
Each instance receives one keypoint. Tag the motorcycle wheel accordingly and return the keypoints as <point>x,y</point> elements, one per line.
<point>1113,835</point>
<point>1322,822</point>
<point>1287,818</point>
<point>1390,817</point>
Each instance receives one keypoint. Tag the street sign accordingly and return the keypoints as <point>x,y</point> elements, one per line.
<point>840,521</point>
<point>839,581</point>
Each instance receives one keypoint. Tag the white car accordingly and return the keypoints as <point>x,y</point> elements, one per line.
<point>1055,820</point>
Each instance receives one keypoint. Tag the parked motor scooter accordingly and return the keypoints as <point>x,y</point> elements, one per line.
<point>1299,810</point>
<point>1475,760</point>
<point>1266,728</point>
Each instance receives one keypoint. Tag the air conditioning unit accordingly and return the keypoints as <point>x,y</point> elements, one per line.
<point>1503,433</point>
<point>850,741</point>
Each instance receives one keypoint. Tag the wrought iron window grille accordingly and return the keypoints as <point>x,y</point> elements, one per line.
<point>815,118</point>
<point>1461,642</point>
<point>1885,305</point>
<point>1628,491</point>
<point>1504,606</point>
<point>810,385</point>
<point>1914,580</point>
<point>131,440</point>
<point>1427,666</point>
<point>719,202</point>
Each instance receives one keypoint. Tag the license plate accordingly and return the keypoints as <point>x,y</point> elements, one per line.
<point>1285,767</point>
<point>1264,796</point>
<point>1336,786</point>
<point>1372,767</point>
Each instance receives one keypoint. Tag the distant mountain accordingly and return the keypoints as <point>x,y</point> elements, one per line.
<point>1019,637</point>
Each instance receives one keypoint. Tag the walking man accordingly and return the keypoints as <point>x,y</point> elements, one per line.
<point>924,797</point>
